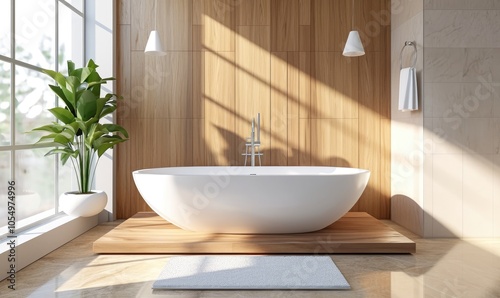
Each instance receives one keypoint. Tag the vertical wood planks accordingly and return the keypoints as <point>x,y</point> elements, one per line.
<point>254,13</point>
<point>284,25</point>
<point>293,108</point>
<point>279,109</point>
<point>253,90</point>
<point>168,85</point>
<point>228,60</point>
<point>305,12</point>
<point>219,75</point>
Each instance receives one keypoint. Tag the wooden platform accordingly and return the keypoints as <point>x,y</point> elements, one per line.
<point>356,232</point>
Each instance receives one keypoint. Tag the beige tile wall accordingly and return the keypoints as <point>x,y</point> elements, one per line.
<point>461,75</point>
<point>461,119</point>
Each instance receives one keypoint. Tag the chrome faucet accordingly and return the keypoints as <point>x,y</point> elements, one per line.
<point>253,145</point>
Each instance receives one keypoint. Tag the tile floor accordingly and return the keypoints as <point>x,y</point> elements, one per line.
<point>440,268</point>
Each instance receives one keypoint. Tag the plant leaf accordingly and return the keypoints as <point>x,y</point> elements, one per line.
<point>65,153</point>
<point>92,84</point>
<point>71,67</point>
<point>86,72</point>
<point>72,84</point>
<point>83,73</point>
<point>87,105</point>
<point>65,150</point>
<point>106,142</point>
<point>68,134</point>
<point>73,127</point>
<point>46,138</point>
<point>61,139</point>
<point>62,114</point>
<point>95,88</point>
<point>116,128</point>
<point>107,110</point>
<point>92,64</point>
<point>81,125</point>
<point>69,88</point>
<point>60,93</point>
<point>54,127</point>
<point>57,76</point>
<point>91,135</point>
<point>64,158</point>
<point>100,102</point>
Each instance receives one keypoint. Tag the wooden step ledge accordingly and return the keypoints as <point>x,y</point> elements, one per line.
<point>355,232</point>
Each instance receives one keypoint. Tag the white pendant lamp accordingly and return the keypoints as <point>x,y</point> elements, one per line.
<point>353,46</point>
<point>154,47</point>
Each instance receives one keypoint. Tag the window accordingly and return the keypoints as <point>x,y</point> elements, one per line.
<point>34,35</point>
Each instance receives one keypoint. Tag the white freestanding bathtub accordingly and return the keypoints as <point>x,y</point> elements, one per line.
<point>251,200</point>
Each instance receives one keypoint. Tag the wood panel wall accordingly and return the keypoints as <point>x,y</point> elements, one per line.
<point>227,60</point>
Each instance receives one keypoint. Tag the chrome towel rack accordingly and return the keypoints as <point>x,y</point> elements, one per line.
<point>408,44</point>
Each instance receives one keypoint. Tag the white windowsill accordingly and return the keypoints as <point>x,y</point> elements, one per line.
<point>36,242</point>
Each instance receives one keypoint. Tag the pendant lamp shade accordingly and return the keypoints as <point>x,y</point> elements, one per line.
<point>154,47</point>
<point>353,46</point>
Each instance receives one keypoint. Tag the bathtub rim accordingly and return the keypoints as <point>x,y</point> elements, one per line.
<point>345,171</point>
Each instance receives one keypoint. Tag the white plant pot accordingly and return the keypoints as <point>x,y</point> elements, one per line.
<point>83,205</point>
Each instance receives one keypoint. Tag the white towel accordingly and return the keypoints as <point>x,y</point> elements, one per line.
<point>408,97</point>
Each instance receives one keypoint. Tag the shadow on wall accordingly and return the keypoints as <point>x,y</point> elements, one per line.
<point>407,213</point>
<point>237,159</point>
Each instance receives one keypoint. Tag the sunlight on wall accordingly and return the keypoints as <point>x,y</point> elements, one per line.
<point>269,92</point>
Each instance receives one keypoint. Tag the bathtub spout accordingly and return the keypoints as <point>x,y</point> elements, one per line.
<point>252,144</point>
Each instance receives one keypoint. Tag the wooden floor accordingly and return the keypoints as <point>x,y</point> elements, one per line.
<point>356,232</point>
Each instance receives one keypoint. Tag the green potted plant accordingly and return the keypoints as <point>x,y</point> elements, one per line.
<point>79,135</point>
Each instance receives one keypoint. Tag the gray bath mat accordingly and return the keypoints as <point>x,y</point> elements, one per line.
<point>232,272</point>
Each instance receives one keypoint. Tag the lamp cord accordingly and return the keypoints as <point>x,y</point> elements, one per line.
<point>155,8</point>
<point>352,16</point>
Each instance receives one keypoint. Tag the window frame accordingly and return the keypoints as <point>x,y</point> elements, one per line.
<point>13,147</point>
